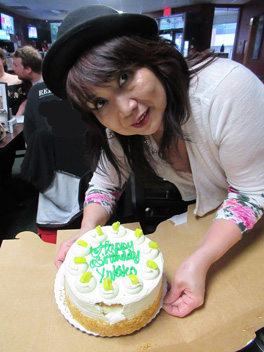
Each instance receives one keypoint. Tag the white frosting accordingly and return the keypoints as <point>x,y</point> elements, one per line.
<point>85,287</point>
<point>116,258</point>
<point>148,273</point>
<point>150,253</point>
<point>139,240</point>
<point>120,233</point>
<point>96,239</point>
<point>80,250</point>
<point>131,288</point>
<point>76,269</point>
<point>111,293</point>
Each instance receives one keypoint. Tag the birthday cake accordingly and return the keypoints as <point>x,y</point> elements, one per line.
<point>113,280</point>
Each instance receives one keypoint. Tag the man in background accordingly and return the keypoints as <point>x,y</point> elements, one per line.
<point>27,64</point>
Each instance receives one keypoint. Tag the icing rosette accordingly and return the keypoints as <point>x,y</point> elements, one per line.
<point>133,284</point>
<point>139,237</point>
<point>86,282</point>
<point>117,230</point>
<point>98,235</point>
<point>77,266</point>
<point>109,289</point>
<point>81,248</point>
<point>149,270</point>
<point>151,250</point>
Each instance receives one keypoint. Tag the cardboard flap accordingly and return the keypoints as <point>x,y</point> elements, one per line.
<point>233,311</point>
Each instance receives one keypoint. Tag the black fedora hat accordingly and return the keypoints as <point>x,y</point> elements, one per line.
<point>84,28</point>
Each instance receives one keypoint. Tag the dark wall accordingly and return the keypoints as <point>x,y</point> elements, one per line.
<point>252,9</point>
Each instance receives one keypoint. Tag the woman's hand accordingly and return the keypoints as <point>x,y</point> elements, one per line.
<point>93,215</point>
<point>187,291</point>
<point>65,246</point>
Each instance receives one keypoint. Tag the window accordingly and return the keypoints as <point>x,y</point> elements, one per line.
<point>224,30</point>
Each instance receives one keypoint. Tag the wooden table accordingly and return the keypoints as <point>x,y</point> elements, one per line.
<point>11,138</point>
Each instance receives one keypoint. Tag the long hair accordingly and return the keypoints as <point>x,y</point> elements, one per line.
<point>101,63</point>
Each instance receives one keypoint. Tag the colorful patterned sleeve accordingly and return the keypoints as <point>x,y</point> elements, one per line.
<point>243,210</point>
<point>105,197</point>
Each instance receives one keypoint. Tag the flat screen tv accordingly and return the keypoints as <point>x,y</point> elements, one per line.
<point>7,23</point>
<point>4,35</point>
<point>32,32</point>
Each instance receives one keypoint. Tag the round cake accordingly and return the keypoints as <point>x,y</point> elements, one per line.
<point>113,280</point>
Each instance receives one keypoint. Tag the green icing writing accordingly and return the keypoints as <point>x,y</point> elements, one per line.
<point>82,243</point>
<point>153,245</point>
<point>115,257</point>
<point>86,277</point>
<point>112,253</point>
<point>117,271</point>
<point>79,260</point>
<point>99,230</point>
<point>116,226</point>
<point>107,248</point>
<point>152,265</point>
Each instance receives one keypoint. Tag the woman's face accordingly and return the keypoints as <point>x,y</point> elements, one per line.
<point>132,103</point>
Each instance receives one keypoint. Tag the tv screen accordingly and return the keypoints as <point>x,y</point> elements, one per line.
<point>4,35</point>
<point>7,23</point>
<point>32,32</point>
<point>54,30</point>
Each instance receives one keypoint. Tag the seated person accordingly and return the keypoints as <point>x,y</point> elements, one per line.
<point>15,87</point>
<point>54,162</point>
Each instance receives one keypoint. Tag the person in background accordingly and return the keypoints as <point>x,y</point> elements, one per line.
<point>198,124</point>
<point>54,163</point>
<point>27,64</point>
<point>15,88</point>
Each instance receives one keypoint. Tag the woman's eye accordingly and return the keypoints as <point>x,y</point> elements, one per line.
<point>122,79</point>
<point>99,104</point>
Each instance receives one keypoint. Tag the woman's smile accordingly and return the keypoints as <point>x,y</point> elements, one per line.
<point>132,103</point>
<point>142,120</point>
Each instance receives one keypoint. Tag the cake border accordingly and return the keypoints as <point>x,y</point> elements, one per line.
<point>60,298</point>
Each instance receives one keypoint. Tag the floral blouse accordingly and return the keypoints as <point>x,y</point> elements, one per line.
<point>242,210</point>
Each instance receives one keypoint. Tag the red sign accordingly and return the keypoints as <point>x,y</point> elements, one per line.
<point>167,11</point>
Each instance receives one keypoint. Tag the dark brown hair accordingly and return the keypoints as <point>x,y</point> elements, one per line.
<point>101,63</point>
<point>30,57</point>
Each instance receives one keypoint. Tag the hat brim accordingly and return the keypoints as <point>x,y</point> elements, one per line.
<point>66,50</point>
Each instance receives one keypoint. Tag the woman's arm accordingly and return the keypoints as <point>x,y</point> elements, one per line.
<point>100,199</point>
<point>93,215</point>
<point>188,288</point>
<point>235,120</point>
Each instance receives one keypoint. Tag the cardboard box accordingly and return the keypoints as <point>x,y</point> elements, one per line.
<point>233,311</point>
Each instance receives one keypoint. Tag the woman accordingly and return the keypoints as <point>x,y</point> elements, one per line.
<point>199,128</point>
<point>15,88</point>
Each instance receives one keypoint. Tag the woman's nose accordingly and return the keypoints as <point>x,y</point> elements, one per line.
<point>126,105</point>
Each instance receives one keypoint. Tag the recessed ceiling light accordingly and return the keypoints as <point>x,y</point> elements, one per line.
<point>58,12</point>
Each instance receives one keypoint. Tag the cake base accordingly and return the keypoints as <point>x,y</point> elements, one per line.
<point>60,297</point>
<point>124,327</point>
